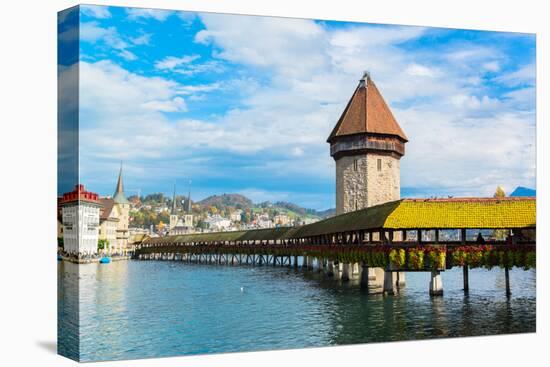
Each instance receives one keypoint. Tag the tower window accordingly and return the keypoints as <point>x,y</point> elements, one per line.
<point>355,165</point>
<point>379,165</point>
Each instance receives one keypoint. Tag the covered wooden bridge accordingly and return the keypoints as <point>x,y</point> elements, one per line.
<point>403,235</point>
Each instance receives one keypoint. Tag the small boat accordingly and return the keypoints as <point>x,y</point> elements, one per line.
<point>105,260</point>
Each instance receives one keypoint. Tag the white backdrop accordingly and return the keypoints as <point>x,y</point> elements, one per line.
<point>28,181</point>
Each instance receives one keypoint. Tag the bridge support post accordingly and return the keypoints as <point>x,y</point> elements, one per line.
<point>330,268</point>
<point>507,278</point>
<point>346,271</point>
<point>401,279</point>
<point>436,285</point>
<point>389,282</point>
<point>295,261</point>
<point>338,271</point>
<point>308,262</point>
<point>365,277</point>
<point>465,278</point>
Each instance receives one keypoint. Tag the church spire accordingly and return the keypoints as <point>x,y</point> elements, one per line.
<point>174,204</point>
<point>119,196</point>
<point>188,209</point>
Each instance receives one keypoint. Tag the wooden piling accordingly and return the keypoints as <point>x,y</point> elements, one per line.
<point>507,276</point>
<point>365,278</point>
<point>465,279</point>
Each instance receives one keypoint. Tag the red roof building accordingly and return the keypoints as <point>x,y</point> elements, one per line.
<point>79,194</point>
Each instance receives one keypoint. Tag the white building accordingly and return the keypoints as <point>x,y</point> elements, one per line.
<point>80,215</point>
<point>217,223</point>
<point>263,221</point>
<point>236,215</point>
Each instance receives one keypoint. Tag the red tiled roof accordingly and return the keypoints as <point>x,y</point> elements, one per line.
<point>367,112</point>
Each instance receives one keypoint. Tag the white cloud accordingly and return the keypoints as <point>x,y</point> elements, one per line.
<point>177,104</point>
<point>265,42</point>
<point>525,75</point>
<point>139,13</point>
<point>493,66</point>
<point>127,55</point>
<point>171,62</point>
<point>144,39</point>
<point>185,65</point>
<point>471,102</point>
<point>420,70</point>
<point>96,11</point>
<point>92,32</point>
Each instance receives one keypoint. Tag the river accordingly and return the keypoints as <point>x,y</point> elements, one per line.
<point>139,309</point>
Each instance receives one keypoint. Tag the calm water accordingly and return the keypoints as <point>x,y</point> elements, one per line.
<point>137,309</point>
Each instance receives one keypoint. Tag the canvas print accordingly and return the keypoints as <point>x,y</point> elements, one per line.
<point>232,183</point>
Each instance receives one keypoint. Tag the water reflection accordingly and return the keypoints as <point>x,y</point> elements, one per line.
<point>133,309</point>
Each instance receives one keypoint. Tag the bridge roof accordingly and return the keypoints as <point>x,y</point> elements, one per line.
<point>475,213</point>
<point>406,214</point>
<point>255,234</point>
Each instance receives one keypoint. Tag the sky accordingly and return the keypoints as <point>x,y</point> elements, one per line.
<point>244,104</point>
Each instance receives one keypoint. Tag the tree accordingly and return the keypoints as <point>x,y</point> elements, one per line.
<point>499,193</point>
<point>102,244</point>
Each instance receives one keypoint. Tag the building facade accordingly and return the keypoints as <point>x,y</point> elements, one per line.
<point>367,144</point>
<point>109,217</point>
<point>80,217</point>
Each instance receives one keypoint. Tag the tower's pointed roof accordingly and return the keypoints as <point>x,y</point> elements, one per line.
<point>119,196</point>
<point>174,204</point>
<point>367,112</point>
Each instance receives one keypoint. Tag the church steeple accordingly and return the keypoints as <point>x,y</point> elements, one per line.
<point>188,206</point>
<point>174,204</point>
<point>119,196</point>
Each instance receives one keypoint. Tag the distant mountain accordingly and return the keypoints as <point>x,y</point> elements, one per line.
<point>327,213</point>
<point>220,201</point>
<point>242,202</point>
<point>523,191</point>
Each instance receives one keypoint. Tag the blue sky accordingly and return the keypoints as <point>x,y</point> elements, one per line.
<point>244,104</point>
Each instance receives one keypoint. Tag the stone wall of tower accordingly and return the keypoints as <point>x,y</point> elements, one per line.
<point>122,226</point>
<point>360,183</point>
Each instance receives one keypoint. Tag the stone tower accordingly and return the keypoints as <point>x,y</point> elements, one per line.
<point>123,206</point>
<point>367,144</point>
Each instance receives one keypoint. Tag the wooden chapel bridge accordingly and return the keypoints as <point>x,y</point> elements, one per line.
<point>377,244</point>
